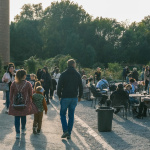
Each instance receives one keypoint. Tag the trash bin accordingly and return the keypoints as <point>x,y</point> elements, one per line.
<point>105,116</point>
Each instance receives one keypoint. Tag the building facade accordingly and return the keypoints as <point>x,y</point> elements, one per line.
<point>4,32</point>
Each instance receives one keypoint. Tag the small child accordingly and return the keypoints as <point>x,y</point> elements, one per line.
<point>32,79</point>
<point>38,83</point>
<point>40,102</point>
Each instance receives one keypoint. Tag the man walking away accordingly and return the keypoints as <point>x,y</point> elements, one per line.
<point>69,84</point>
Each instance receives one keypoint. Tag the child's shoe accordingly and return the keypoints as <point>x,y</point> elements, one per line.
<point>24,131</point>
<point>34,130</point>
<point>69,137</point>
<point>38,131</point>
<point>17,135</point>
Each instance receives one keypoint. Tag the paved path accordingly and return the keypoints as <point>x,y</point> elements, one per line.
<point>131,134</point>
<point>49,139</point>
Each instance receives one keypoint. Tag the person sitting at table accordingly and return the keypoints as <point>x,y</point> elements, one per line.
<point>129,88</point>
<point>102,84</point>
<point>119,97</point>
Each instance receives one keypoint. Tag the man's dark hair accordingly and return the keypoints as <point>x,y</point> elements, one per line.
<point>71,62</point>
<point>132,80</point>
<point>120,87</point>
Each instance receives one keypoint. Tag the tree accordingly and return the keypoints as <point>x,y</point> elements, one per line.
<point>63,63</point>
<point>61,20</point>
<point>31,64</point>
<point>88,57</point>
<point>25,40</point>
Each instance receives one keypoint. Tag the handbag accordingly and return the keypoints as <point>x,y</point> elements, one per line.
<point>4,86</point>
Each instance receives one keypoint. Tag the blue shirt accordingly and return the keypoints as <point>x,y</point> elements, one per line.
<point>102,84</point>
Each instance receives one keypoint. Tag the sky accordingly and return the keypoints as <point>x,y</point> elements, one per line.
<point>122,10</point>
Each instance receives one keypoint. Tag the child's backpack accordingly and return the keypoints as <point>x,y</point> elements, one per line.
<point>19,102</point>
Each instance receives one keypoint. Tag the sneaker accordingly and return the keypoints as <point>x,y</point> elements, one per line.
<point>38,131</point>
<point>7,111</point>
<point>139,117</point>
<point>65,135</point>
<point>17,135</point>
<point>24,131</point>
<point>34,130</point>
<point>69,137</point>
<point>48,103</point>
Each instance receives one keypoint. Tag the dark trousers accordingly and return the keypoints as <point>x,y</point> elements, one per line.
<point>38,120</point>
<point>46,93</point>
<point>124,78</point>
<point>142,109</point>
<point>146,84</point>
<point>7,99</point>
<point>17,123</point>
<point>51,92</point>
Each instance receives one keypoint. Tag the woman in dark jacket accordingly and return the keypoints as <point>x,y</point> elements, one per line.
<point>46,82</point>
<point>135,74</point>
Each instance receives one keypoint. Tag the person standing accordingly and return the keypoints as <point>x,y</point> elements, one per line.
<point>146,77</point>
<point>67,91</point>
<point>46,83</point>
<point>53,87</point>
<point>40,102</point>
<point>124,74</point>
<point>97,75</point>
<point>32,80</point>
<point>128,74</point>
<point>39,74</point>
<point>57,75</point>
<point>23,87</point>
<point>135,74</point>
<point>8,78</point>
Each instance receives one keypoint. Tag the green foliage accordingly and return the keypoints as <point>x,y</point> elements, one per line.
<point>25,41</point>
<point>101,65</point>
<point>31,64</point>
<point>63,63</point>
<point>114,71</point>
<point>65,28</point>
<point>52,62</point>
<point>114,67</point>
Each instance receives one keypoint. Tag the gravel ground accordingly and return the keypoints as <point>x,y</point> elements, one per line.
<point>132,134</point>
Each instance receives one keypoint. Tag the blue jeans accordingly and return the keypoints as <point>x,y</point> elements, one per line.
<point>132,100</point>
<point>7,99</point>
<point>70,104</point>
<point>17,123</point>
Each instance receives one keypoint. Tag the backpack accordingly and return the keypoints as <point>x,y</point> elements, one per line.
<point>19,102</point>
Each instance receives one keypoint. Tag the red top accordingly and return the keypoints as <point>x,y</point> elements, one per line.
<point>27,95</point>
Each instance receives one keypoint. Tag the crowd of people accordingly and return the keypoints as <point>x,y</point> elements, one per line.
<point>30,94</point>
<point>120,95</point>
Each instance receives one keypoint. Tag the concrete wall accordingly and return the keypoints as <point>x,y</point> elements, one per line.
<point>4,31</point>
